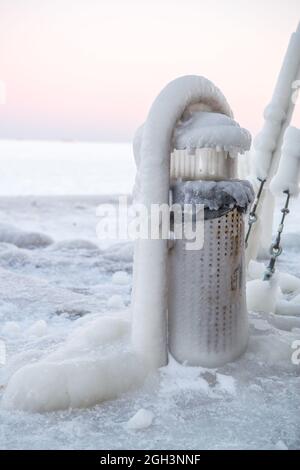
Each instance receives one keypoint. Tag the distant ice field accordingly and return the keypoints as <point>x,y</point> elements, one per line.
<point>65,168</point>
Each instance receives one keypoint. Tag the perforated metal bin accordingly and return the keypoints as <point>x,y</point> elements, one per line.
<point>207,313</point>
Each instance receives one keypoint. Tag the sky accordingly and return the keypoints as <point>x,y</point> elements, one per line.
<point>90,69</point>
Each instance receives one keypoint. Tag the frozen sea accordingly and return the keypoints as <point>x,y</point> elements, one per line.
<point>54,188</point>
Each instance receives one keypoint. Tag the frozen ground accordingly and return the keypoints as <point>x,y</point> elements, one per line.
<point>45,292</point>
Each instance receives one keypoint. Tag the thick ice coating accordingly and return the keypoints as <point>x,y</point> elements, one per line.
<point>94,364</point>
<point>288,174</point>
<point>152,148</point>
<point>202,129</point>
<point>278,113</point>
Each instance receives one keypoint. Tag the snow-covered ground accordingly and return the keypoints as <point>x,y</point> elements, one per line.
<point>71,279</point>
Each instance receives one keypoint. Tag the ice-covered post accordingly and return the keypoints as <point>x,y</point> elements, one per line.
<point>153,146</point>
<point>267,144</point>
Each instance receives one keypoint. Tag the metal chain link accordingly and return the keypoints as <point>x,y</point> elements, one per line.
<point>276,248</point>
<point>252,215</point>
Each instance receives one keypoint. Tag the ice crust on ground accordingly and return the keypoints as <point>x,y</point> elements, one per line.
<point>188,403</point>
<point>74,244</point>
<point>202,129</point>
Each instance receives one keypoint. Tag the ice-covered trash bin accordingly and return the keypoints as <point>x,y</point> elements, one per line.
<point>207,312</point>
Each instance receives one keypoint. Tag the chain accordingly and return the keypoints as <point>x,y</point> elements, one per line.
<point>276,248</point>
<point>252,215</point>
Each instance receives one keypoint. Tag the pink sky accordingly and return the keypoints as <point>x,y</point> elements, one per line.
<point>90,69</point>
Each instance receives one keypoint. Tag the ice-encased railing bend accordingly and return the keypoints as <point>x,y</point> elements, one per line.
<point>193,103</point>
<point>152,149</point>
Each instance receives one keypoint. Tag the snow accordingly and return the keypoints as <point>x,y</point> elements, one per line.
<point>287,177</point>
<point>226,383</point>
<point>202,129</point>
<point>141,420</point>
<point>69,289</point>
<point>152,148</point>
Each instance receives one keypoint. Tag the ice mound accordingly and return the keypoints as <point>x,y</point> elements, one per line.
<point>202,129</point>
<point>95,364</point>
<point>23,239</point>
<point>121,278</point>
<point>262,296</point>
<point>38,329</point>
<point>268,296</point>
<point>287,307</point>
<point>120,252</point>
<point>10,328</point>
<point>141,420</point>
<point>288,283</point>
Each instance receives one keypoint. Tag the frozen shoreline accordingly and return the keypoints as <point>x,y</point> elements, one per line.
<point>196,399</point>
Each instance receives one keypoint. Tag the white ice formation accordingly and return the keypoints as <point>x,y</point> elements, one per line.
<point>288,174</point>
<point>152,148</point>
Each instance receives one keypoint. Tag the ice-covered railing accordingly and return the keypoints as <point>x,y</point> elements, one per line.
<point>288,175</point>
<point>267,144</point>
<point>265,290</point>
<point>152,148</point>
